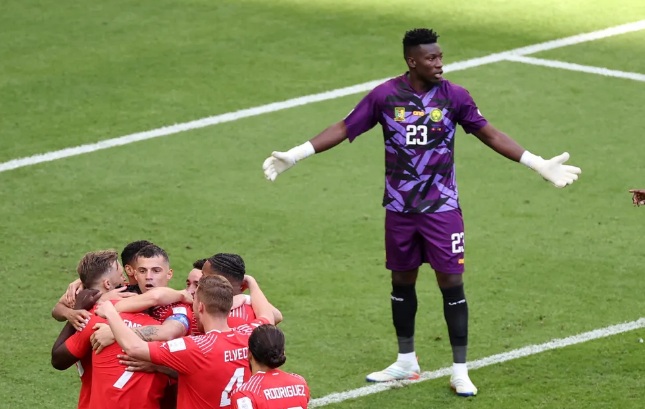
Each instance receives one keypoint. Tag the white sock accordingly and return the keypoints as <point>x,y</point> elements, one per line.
<point>459,370</point>
<point>409,357</point>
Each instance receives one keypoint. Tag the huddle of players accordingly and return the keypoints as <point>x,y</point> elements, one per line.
<point>211,345</point>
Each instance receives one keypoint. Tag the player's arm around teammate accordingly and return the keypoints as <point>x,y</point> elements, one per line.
<point>177,325</point>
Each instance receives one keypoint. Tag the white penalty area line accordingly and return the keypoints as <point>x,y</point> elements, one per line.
<point>308,99</point>
<point>480,363</point>
<point>577,67</point>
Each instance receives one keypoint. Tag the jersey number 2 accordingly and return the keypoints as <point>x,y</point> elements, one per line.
<point>235,382</point>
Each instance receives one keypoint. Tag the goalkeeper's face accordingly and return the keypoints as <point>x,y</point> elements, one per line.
<point>426,61</point>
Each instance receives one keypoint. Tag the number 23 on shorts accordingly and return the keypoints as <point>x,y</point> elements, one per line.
<point>457,242</point>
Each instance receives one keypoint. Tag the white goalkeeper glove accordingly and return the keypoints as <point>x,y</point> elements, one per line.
<point>553,170</point>
<point>278,162</point>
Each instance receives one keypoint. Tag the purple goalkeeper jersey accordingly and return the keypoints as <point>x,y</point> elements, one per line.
<point>419,134</point>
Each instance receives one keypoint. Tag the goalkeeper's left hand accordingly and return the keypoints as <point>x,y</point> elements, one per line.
<point>553,170</point>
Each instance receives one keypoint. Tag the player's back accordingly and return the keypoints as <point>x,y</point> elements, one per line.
<point>114,387</point>
<point>84,367</point>
<point>210,366</point>
<point>240,316</point>
<point>80,346</point>
<point>224,367</point>
<point>274,389</point>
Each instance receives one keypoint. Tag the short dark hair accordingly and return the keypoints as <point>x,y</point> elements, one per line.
<point>267,345</point>
<point>199,264</point>
<point>418,36</point>
<point>152,250</point>
<point>94,265</point>
<point>229,265</point>
<point>130,251</point>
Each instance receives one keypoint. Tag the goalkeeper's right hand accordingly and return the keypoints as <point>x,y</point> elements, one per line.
<point>279,162</point>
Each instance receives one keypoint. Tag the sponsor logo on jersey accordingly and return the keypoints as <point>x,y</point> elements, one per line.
<point>418,113</point>
<point>399,114</point>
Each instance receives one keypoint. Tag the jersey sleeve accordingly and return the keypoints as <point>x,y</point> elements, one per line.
<point>363,117</point>
<point>79,344</point>
<point>178,354</point>
<point>243,400</point>
<point>182,313</point>
<point>469,117</point>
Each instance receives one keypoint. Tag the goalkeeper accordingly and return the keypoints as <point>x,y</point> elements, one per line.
<point>419,112</point>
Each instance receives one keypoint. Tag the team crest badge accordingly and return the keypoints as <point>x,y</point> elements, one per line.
<point>436,115</point>
<point>399,114</point>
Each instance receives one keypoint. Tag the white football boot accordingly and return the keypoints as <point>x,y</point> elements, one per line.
<point>398,371</point>
<point>462,385</point>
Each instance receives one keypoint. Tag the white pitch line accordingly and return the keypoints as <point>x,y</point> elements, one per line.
<point>480,363</point>
<point>308,99</point>
<point>577,67</point>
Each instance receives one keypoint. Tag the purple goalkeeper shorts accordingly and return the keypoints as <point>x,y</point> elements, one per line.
<point>412,239</point>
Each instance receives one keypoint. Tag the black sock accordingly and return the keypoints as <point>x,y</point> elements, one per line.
<point>404,310</point>
<point>455,311</point>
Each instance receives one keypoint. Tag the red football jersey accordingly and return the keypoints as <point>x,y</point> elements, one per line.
<point>210,366</point>
<point>239,316</point>
<point>163,312</point>
<point>80,346</point>
<point>274,389</point>
<point>114,387</point>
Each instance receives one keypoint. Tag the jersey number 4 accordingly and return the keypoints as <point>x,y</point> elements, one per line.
<point>235,382</point>
<point>416,135</point>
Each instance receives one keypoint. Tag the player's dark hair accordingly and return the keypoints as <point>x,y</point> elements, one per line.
<point>94,265</point>
<point>267,345</point>
<point>152,250</point>
<point>131,250</point>
<point>229,265</point>
<point>418,36</point>
<point>199,264</point>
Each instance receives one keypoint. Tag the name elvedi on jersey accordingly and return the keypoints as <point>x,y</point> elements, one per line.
<point>236,354</point>
<point>285,392</point>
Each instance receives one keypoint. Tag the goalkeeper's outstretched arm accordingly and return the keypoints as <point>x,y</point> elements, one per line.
<point>279,162</point>
<point>553,170</point>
